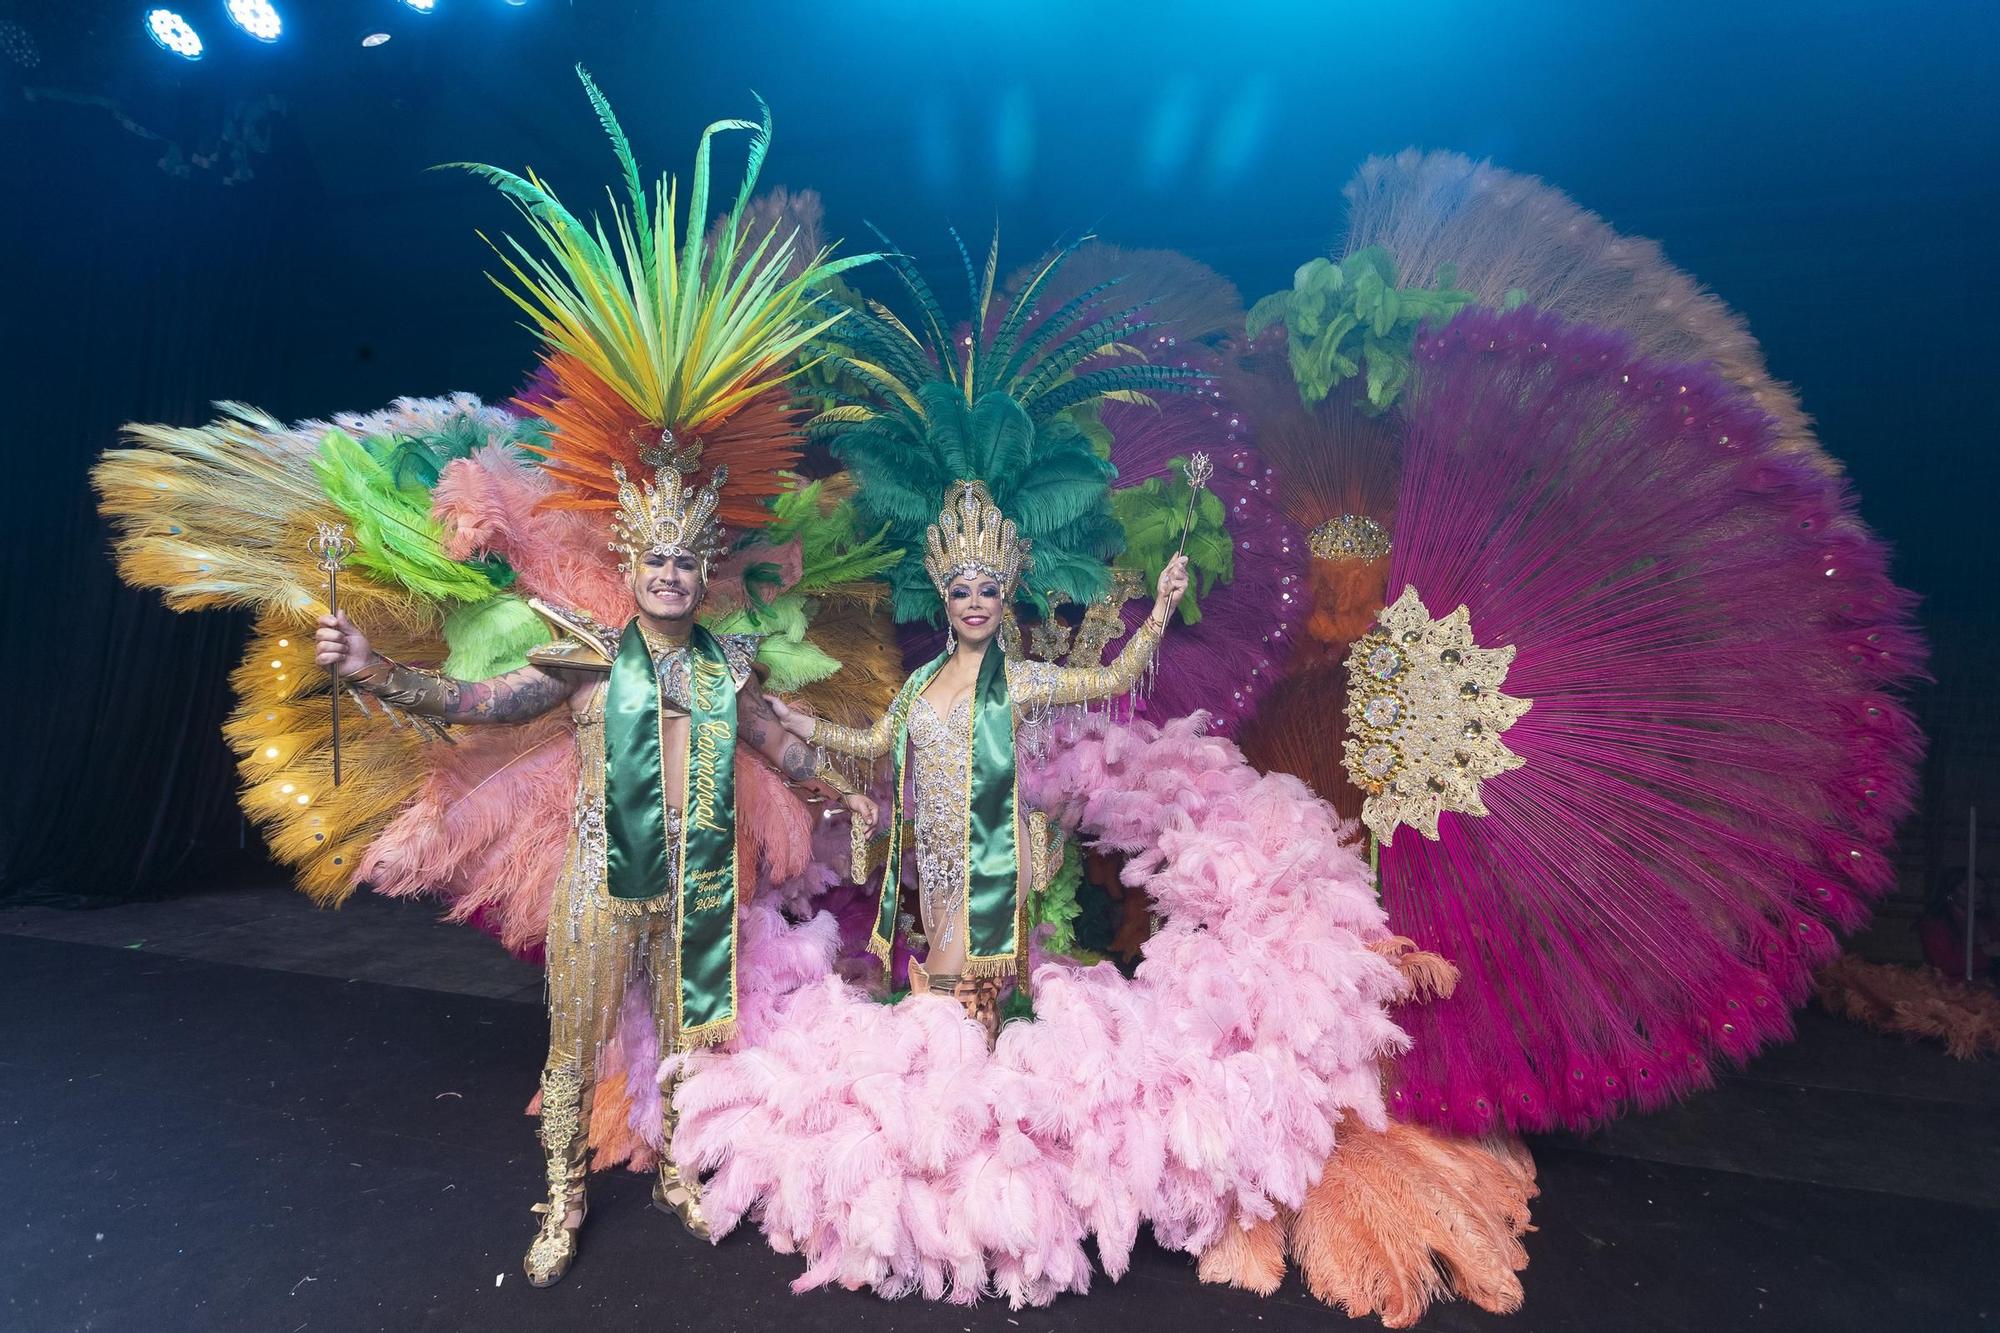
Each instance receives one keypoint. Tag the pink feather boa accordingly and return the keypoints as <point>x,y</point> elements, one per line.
<point>887,1146</point>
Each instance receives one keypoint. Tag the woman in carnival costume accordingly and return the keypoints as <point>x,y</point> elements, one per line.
<point>954,725</point>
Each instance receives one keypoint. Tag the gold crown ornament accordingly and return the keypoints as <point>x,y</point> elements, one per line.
<point>971,535</point>
<point>666,515</point>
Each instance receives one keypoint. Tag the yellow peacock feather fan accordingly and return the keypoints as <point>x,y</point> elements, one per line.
<point>652,338</point>
<point>283,741</point>
<point>218,516</point>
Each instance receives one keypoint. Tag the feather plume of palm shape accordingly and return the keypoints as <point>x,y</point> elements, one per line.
<point>1185,300</point>
<point>993,405</point>
<point>1508,234</point>
<point>644,329</point>
<point>1715,757</point>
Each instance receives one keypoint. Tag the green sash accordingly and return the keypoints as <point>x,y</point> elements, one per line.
<point>635,818</point>
<point>994,937</point>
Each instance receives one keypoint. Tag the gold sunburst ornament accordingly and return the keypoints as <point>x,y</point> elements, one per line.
<point>1425,714</point>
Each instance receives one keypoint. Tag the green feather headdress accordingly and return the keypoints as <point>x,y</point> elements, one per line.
<point>1000,404</point>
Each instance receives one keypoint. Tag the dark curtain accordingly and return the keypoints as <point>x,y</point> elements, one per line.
<point>123,310</point>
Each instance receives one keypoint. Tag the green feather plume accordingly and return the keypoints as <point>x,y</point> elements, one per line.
<point>491,637</point>
<point>919,410</point>
<point>1152,514</point>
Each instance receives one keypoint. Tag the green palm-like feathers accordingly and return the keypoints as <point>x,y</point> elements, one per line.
<point>917,409</point>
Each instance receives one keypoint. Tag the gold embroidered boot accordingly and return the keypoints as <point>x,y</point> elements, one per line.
<point>566,1144</point>
<point>673,1191</point>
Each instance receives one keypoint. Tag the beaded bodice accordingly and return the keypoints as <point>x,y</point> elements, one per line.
<point>941,761</point>
<point>941,757</point>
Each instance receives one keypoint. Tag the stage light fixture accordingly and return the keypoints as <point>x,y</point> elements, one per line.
<point>174,33</point>
<point>375,39</point>
<point>422,6</point>
<point>257,18</point>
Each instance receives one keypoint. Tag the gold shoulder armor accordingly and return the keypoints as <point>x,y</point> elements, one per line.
<point>581,643</point>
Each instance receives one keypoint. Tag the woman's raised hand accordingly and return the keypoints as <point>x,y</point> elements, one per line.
<point>340,647</point>
<point>1173,583</point>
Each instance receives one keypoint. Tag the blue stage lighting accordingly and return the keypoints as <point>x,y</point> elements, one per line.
<point>174,33</point>
<point>422,6</point>
<point>257,18</point>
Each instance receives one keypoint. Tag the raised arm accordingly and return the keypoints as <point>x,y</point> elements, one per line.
<point>515,696</point>
<point>1041,685</point>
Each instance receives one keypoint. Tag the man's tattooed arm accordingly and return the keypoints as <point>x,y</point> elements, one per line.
<point>514,697</point>
<point>758,725</point>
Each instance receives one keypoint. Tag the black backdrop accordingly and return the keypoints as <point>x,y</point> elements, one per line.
<point>260,226</point>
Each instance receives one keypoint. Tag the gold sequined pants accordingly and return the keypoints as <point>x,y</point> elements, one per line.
<point>598,947</point>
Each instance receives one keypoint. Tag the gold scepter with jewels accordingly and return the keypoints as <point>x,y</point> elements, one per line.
<point>330,547</point>
<point>1199,470</point>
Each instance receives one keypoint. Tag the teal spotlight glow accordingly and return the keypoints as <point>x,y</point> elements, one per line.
<point>257,18</point>
<point>174,33</point>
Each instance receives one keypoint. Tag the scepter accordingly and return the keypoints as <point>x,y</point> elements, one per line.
<point>1199,470</point>
<point>331,545</point>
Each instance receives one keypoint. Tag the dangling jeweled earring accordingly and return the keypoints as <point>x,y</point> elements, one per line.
<point>950,639</point>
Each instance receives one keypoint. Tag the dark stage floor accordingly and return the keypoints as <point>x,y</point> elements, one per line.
<point>231,1112</point>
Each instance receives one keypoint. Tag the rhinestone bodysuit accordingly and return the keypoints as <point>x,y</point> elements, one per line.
<point>941,750</point>
<point>941,761</point>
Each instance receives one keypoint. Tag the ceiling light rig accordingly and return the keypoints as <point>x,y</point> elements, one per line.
<point>173,33</point>
<point>258,18</point>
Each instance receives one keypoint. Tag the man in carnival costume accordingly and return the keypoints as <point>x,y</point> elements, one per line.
<point>650,884</point>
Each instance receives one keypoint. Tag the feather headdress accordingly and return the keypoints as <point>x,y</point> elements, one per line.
<point>646,334</point>
<point>992,406</point>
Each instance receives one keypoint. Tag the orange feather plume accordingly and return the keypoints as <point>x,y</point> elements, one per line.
<point>594,428</point>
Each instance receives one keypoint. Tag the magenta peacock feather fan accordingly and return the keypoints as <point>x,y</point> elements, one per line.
<point>1675,690</point>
